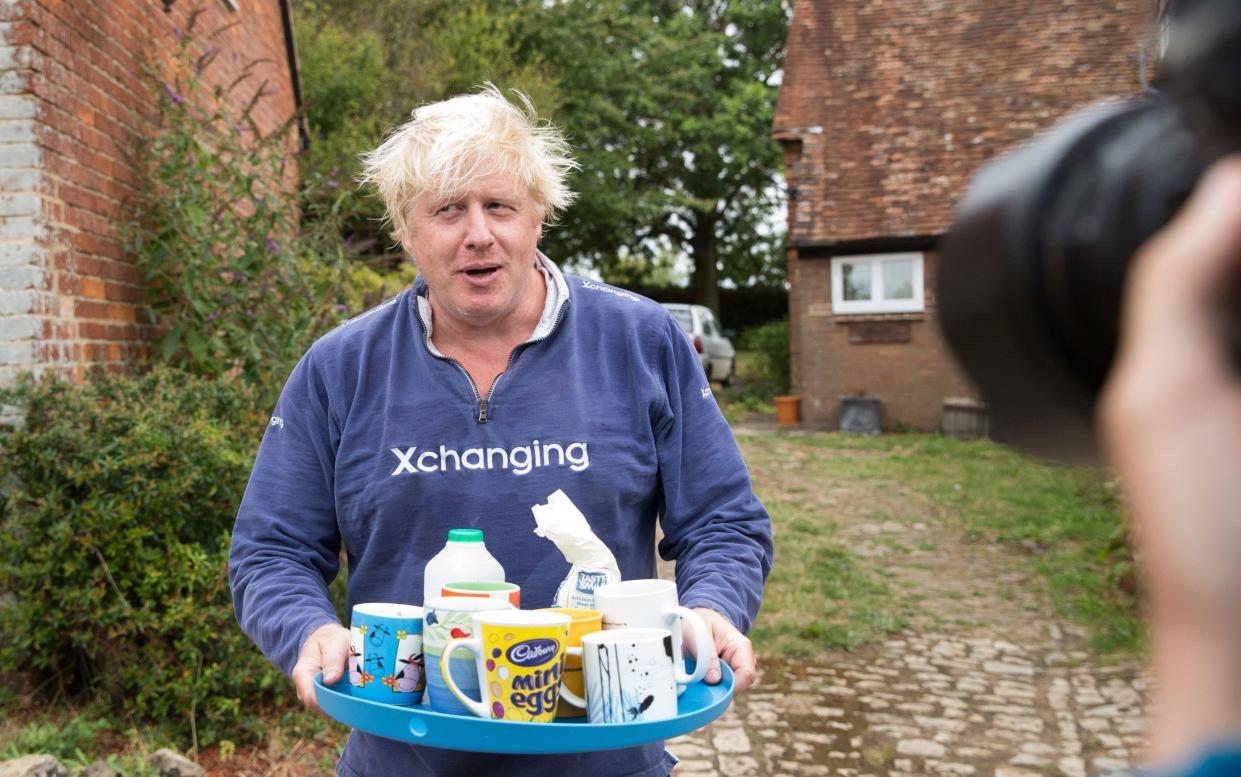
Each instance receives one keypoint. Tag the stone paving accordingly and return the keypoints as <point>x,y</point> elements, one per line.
<point>930,704</point>
<point>985,680</point>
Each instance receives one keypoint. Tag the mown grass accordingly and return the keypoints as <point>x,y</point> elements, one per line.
<point>1067,522</point>
<point>818,594</point>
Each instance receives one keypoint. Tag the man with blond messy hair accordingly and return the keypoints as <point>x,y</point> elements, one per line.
<point>390,423</point>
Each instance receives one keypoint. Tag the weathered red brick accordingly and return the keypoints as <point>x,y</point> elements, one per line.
<point>886,109</point>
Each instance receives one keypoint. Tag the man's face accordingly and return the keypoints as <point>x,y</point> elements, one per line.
<point>476,252</point>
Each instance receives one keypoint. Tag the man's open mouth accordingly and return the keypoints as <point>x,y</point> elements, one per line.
<point>481,272</point>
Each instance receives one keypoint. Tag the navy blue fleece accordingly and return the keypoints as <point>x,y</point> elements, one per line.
<point>377,442</point>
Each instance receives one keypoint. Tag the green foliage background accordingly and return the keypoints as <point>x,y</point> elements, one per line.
<point>118,499</point>
<point>235,285</point>
<point>668,104</point>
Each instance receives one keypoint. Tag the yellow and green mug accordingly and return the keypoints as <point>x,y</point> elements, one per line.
<point>519,655</point>
<point>582,622</point>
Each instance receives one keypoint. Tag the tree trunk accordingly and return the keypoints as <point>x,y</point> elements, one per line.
<point>705,281</point>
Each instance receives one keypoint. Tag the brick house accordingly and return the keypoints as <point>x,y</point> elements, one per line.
<point>885,110</point>
<point>73,101</point>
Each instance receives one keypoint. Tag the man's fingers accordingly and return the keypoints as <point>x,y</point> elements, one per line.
<point>734,647</point>
<point>739,653</point>
<point>326,650</point>
<point>713,675</point>
<point>303,677</point>
<point>335,654</point>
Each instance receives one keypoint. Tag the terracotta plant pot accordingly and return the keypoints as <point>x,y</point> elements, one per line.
<point>788,411</point>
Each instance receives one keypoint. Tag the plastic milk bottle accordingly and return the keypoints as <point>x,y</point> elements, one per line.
<point>463,558</point>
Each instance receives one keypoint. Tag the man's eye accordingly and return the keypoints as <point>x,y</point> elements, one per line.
<point>497,205</point>
<point>450,207</point>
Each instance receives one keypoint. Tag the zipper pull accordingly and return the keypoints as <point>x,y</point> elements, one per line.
<point>482,411</point>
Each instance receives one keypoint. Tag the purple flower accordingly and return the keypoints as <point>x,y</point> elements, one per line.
<point>241,130</point>
<point>191,158</point>
<point>335,171</point>
<point>213,315</point>
<point>241,278</point>
<point>340,308</point>
<point>332,185</point>
<point>180,33</point>
<point>272,245</point>
<point>249,311</point>
<point>172,93</point>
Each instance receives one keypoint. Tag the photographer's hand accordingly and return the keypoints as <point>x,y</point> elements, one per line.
<point>1171,421</point>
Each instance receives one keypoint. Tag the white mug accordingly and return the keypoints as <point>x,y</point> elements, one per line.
<point>630,676</point>
<point>653,604</point>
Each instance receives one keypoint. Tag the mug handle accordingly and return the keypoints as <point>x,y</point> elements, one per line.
<point>565,693</point>
<point>475,646</point>
<point>702,657</point>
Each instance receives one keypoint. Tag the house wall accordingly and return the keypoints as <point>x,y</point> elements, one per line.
<point>73,103</point>
<point>910,378</point>
<point>885,110</point>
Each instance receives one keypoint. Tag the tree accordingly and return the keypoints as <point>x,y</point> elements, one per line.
<point>670,104</point>
<point>366,65</point>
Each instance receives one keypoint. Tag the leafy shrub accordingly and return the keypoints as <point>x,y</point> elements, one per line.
<point>118,497</point>
<point>234,285</point>
<point>771,342</point>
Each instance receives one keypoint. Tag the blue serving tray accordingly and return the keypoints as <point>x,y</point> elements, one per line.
<point>698,706</point>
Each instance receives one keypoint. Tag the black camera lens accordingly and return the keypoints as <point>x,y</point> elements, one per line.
<point>1033,269</point>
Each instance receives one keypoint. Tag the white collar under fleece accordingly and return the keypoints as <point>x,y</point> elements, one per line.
<point>557,292</point>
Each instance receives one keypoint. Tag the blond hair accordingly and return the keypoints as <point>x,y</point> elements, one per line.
<point>448,145</point>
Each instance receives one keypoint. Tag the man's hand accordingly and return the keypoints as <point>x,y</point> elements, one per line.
<point>731,645</point>
<point>325,650</point>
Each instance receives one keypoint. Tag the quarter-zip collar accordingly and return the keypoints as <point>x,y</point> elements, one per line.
<point>554,305</point>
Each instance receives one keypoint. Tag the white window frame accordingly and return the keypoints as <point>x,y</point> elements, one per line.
<point>878,304</point>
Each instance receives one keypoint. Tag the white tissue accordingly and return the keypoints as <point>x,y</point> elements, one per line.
<point>592,562</point>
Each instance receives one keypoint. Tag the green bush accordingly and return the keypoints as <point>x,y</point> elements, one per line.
<point>771,342</point>
<point>114,528</point>
<point>234,285</point>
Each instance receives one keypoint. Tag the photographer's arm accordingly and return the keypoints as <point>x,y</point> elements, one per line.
<point>1171,420</point>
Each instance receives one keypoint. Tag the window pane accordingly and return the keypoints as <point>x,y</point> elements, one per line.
<point>856,279</point>
<point>683,318</point>
<point>898,279</point>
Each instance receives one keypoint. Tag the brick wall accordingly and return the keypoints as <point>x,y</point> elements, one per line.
<point>898,101</point>
<point>912,379</point>
<point>886,109</point>
<point>73,102</point>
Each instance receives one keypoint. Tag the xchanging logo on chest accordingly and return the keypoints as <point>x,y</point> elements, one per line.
<point>519,460</point>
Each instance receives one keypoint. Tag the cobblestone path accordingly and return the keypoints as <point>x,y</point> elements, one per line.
<point>985,681</point>
<point>928,704</point>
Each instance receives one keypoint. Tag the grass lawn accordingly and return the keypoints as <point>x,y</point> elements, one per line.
<point>1066,522</point>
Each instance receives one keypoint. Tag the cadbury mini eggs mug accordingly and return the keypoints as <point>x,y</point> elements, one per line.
<point>520,659</point>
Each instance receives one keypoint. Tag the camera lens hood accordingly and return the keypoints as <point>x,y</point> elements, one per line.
<point>1033,268</point>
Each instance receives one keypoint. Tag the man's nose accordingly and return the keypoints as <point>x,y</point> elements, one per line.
<point>478,235</point>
